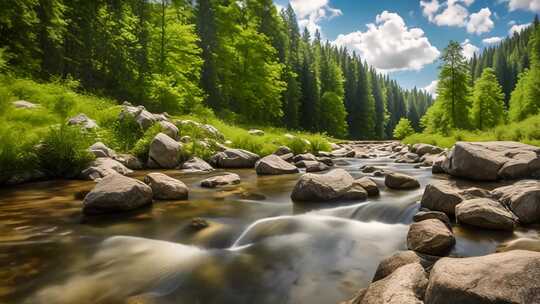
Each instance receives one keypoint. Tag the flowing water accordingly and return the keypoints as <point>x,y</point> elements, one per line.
<point>259,247</point>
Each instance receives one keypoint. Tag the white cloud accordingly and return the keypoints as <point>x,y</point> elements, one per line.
<point>516,28</point>
<point>453,15</point>
<point>430,8</point>
<point>531,5</point>
<point>480,22</point>
<point>389,45</point>
<point>311,12</point>
<point>469,49</point>
<point>432,88</point>
<point>492,40</point>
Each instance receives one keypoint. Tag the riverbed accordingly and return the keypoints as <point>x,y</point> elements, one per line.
<point>259,246</point>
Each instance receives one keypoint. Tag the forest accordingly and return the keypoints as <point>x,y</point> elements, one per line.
<point>244,60</point>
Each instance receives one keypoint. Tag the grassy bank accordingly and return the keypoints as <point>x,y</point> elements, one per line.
<point>526,131</point>
<point>39,139</point>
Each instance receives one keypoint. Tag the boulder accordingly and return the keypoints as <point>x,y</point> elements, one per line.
<point>102,167</point>
<point>274,165</point>
<point>234,158</point>
<point>343,152</point>
<point>437,164</point>
<point>306,156</point>
<point>283,150</point>
<point>427,215</point>
<point>326,160</point>
<point>212,132</point>
<point>221,180</point>
<point>116,192</point>
<point>441,196</point>
<point>490,161</point>
<point>522,198</point>
<point>314,166</point>
<point>83,121</point>
<point>196,164</point>
<point>485,213</point>
<point>422,149</point>
<point>356,192</point>
<point>408,158</point>
<point>165,187</point>
<point>23,104</point>
<point>431,237</point>
<point>369,185</point>
<point>287,157</point>
<point>520,243</point>
<point>406,285</point>
<point>322,187</point>
<point>256,132</point>
<point>143,118</point>
<point>130,161</point>
<point>388,265</point>
<point>164,152</point>
<point>170,129</point>
<point>368,169</point>
<point>394,180</point>
<point>99,149</point>
<point>509,277</point>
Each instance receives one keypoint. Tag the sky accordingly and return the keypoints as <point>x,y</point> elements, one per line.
<point>404,38</point>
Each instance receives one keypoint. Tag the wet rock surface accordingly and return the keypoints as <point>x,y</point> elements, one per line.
<point>400,181</point>
<point>430,236</point>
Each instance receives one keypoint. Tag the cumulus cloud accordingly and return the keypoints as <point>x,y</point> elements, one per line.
<point>430,8</point>
<point>516,28</point>
<point>492,40</point>
<point>531,5</point>
<point>432,88</point>
<point>389,45</point>
<point>480,22</point>
<point>311,12</point>
<point>469,49</point>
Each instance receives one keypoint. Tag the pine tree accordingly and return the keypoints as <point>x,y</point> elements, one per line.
<point>488,101</point>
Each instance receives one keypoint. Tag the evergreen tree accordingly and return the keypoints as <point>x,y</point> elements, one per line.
<point>488,101</point>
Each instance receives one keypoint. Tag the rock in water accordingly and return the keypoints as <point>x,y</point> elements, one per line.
<point>431,237</point>
<point>274,165</point>
<point>164,152</point>
<point>422,149</point>
<point>426,215</point>
<point>116,192</point>
<point>314,166</point>
<point>523,198</point>
<point>165,187</point>
<point>234,158</point>
<point>509,277</point>
<point>485,213</point>
<point>441,196</point>
<point>322,187</point>
<point>493,160</point>
<point>196,164</point>
<point>400,181</point>
<point>221,180</point>
<point>101,167</point>
<point>369,185</point>
<point>390,264</point>
<point>130,161</point>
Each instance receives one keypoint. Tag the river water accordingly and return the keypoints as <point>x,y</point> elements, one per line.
<point>259,247</point>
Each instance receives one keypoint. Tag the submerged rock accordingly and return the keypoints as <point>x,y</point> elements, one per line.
<point>274,165</point>
<point>165,187</point>
<point>522,198</point>
<point>431,237</point>
<point>490,161</point>
<point>322,187</point>
<point>221,180</point>
<point>485,213</point>
<point>164,152</point>
<point>116,192</point>
<point>394,180</point>
<point>234,158</point>
<point>510,277</point>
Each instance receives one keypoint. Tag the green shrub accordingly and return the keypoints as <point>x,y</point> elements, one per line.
<point>63,151</point>
<point>318,143</point>
<point>403,129</point>
<point>142,146</point>
<point>17,153</point>
<point>297,145</point>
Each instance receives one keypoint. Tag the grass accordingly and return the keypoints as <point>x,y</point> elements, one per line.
<point>38,139</point>
<point>526,131</point>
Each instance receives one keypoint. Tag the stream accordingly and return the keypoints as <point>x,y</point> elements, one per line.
<point>259,246</point>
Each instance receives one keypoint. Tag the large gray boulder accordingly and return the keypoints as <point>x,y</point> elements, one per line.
<point>509,277</point>
<point>441,196</point>
<point>485,213</point>
<point>116,192</point>
<point>234,158</point>
<point>224,179</point>
<point>143,118</point>
<point>493,160</point>
<point>401,258</point>
<point>422,149</point>
<point>406,285</point>
<point>274,165</point>
<point>170,129</point>
<point>431,237</point>
<point>196,164</point>
<point>101,167</point>
<point>369,185</point>
<point>522,198</point>
<point>165,187</point>
<point>400,181</point>
<point>322,187</point>
<point>83,121</point>
<point>164,152</point>
<point>423,215</point>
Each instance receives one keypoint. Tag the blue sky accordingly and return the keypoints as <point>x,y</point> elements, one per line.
<point>406,40</point>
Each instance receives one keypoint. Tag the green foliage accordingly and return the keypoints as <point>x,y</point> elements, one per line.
<point>333,115</point>
<point>403,129</point>
<point>488,101</point>
<point>63,151</point>
<point>298,145</point>
<point>142,146</point>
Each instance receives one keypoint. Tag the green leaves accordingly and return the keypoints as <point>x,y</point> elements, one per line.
<point>488,101</point>
<point>403,129</point>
